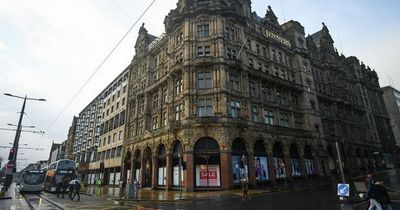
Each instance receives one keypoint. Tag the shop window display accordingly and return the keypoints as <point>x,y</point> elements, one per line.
<point>240,168</point>
<point>207,163</point>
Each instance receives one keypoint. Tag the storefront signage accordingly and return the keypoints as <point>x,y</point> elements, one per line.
<point>278,38</point>
<point>207,176</point>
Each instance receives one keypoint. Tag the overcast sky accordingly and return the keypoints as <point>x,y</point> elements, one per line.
<point>49,48</point>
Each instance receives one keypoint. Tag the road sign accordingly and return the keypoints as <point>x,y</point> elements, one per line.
<point>343,189</point>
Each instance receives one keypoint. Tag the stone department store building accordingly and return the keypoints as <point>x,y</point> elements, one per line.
<point>226,94</point>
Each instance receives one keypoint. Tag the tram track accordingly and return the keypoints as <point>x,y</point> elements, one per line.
<point>38,201</point>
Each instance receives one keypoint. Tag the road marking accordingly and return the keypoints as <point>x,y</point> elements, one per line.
<point>12,207</point>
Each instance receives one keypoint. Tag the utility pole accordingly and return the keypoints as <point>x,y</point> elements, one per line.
<point>12,158</point>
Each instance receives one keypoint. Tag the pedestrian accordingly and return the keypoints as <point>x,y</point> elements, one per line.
<point>245,188</point>
<point>384,197</point>
<point>64,186</point>
<point>71,188</point>
<point>373,196</point>
<point>100,183</point>
<point>135,188</point>
<point>77,189</point>
<point>369,179</point>
<point>58,188</point>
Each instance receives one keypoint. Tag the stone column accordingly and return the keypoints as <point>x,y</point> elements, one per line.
<point>271,168</point>
<point>154,173</point>
<point>169,172</point>
<point>226,170</point>
<point>288,165</point>
<point>252,174</point>
<point>133,167</point>
<point>189,180</point>
<point>142,171</point>
<point>303,166</point>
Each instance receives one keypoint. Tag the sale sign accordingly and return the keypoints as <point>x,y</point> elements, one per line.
<point>207,176</point>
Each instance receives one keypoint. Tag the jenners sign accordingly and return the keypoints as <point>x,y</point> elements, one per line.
<point>277,38</point>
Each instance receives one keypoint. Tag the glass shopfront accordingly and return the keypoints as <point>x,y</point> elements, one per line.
<point>309,161</point>
<point>177,160</point>
<point>162,166</point>
<point>207,163</point>
<point>240,168</point>
<point>278,161</point>
<point>295,160</point>
<point>261,169</point>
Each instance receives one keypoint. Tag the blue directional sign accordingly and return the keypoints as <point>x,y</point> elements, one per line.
<point>343,189</point>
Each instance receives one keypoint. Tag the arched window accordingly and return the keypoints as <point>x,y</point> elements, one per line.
<point>177,162</point>
<point>240,168</point>
<point>295,158</point>
<point>261,168</point>
<point>207,163</point>
<point>161,165</point>
<point>279,163</point>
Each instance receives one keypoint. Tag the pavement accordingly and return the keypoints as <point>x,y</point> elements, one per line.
<point>147,194</point>
<point>303,194</point>
<point>13,200</point>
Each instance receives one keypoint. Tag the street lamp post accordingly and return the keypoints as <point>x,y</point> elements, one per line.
<point>180,176</point>
<point>12,163</point>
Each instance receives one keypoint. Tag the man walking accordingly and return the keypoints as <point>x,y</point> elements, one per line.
<point>373,196</point>
<point>135,188</point>
<point>71,188</point>
<point>245,188</point>
<point>76,190</point>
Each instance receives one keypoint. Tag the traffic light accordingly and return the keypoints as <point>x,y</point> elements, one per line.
<point>11,155</point>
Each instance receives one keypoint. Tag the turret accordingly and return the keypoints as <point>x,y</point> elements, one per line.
<point>271,19</point>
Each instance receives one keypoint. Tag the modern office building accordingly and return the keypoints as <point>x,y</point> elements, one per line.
<point>107,162</point>
<point>225,94</point>
<point>87,135</point>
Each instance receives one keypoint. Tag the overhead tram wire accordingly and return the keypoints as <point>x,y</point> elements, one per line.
<point>100,65</point>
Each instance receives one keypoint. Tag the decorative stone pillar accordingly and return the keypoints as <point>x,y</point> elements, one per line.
<point>303,164</point>
<point>189,180</point>
<point>271,168</point>
<point>133,167</point>
<point>142,171</point>
<point>154,173</point>
<point>226,170</point>
<point>252,174</point>
<point>169,175</point>
<point>288,165</point>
